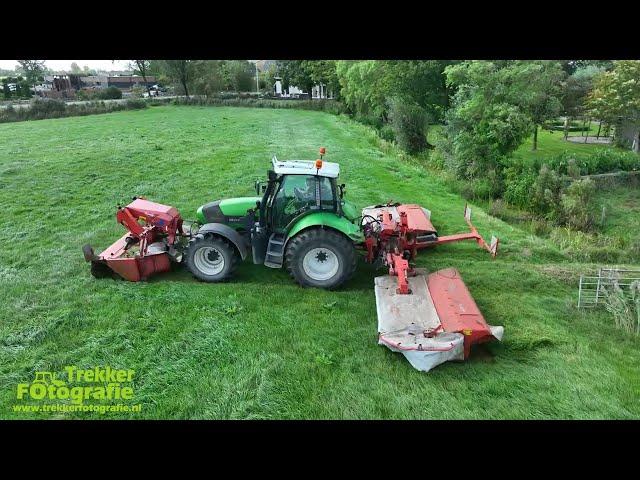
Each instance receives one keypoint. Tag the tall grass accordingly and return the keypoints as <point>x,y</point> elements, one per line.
<point>40,109</point>
<point>624,306</point>
<point>329,106</point>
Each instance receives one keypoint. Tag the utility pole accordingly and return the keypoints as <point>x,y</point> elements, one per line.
<point>257,81</point>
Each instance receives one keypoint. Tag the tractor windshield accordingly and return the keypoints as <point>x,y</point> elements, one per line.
<point>299,193</point>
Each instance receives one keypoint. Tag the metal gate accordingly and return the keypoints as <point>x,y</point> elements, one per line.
<point>591,289</point>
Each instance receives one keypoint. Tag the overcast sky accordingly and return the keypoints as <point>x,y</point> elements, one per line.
<point>66,64</point>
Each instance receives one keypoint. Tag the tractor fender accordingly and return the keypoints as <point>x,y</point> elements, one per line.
<point>227,232</point>
<point>327,220</point>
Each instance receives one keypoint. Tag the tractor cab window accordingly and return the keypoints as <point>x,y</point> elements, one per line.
<point>298,194</point>
<point>327,198</point>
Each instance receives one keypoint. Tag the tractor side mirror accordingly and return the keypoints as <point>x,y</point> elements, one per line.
<point>256,185</point>
<point>342,190</point>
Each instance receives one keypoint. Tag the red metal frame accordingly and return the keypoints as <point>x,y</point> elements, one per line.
<point>492,247</point>
<point>396,241</point>
<point>146,222</point>
<point>398,238</point>
<point>456,308</point>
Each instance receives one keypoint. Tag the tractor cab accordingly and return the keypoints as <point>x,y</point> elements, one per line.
<point>297,188</point>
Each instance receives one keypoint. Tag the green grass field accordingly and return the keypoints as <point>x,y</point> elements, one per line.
<point>260,346</point>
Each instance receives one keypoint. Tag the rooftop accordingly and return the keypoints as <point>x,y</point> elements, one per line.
<point>305,167</point>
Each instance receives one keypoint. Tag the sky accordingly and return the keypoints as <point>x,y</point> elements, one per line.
<point>66,64</point>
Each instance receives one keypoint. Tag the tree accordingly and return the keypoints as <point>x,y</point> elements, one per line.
<point>75,68</point>
<point>208,77</point>
<point>576,90</point>
<point>366,86</point>
<point>238,75</point>
<point>294,73</point>
<point>180,72</point>
<point>33,70</point>
<point>542,92</point>
<point>268,77</point>
<point>616,96</point>
<point>142,67</point>
<point>487,121</point>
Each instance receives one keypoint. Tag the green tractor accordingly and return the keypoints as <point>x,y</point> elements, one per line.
<point>299,219</point>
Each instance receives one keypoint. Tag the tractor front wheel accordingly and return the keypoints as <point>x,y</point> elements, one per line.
<point>210,258</point>
<point>320,258</point>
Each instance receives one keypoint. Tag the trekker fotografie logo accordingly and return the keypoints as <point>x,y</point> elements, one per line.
<point>75,387</point>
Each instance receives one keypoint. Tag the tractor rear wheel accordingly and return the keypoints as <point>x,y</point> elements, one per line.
<point>210,258</point>
<point>320,258</point>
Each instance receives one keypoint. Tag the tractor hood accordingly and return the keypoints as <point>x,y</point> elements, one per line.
<point>222,211</point>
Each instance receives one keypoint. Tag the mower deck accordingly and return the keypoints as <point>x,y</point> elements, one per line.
<point>437,322</point>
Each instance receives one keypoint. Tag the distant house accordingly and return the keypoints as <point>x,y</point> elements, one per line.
<point>126,82</point>
<point>319,91</point>
<point>60,86</point>
<point>95,81</point>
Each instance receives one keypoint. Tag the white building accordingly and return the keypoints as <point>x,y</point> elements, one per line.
<point>318,91</point>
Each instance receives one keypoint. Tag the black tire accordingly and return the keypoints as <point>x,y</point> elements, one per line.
<point>318,238</point>
<point>196,260</point>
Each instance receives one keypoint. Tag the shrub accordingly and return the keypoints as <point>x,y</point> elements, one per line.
<point>540,227</point>
<point>110,93</point>
<point>545,194</point>
<point>386,133</point>
<point>409,123</point>
<point>481,189</point>
<point>49,108</point>
<point>577,205</point>
<point>330,106</point>
<point>497,208</point>
<point>133,104</point>
<point>572,169</point>
<point>45,108</point>
<point>519,183</point>
<point>624,306</point>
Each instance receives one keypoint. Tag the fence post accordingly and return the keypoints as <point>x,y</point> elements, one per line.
<point>580,291</point>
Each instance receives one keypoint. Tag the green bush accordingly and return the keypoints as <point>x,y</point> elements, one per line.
<point>577,205</point>
<point>110,93</point>
<point>545,193</point>
<point>44,108</point>
<point>329,106</point>
<point>409,123</point>
<point>50,108</point>
<point>519,185</point>
<point>137,103</point>
<point>624,306</point>
<point>603,160</point>
<point>386,133</point>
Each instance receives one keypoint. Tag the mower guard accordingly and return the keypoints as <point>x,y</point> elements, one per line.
<point>438,321</point>
<point>128,264</point>
<point>153,230</point>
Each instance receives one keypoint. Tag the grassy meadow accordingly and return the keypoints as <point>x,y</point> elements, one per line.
<point>260,346</point>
